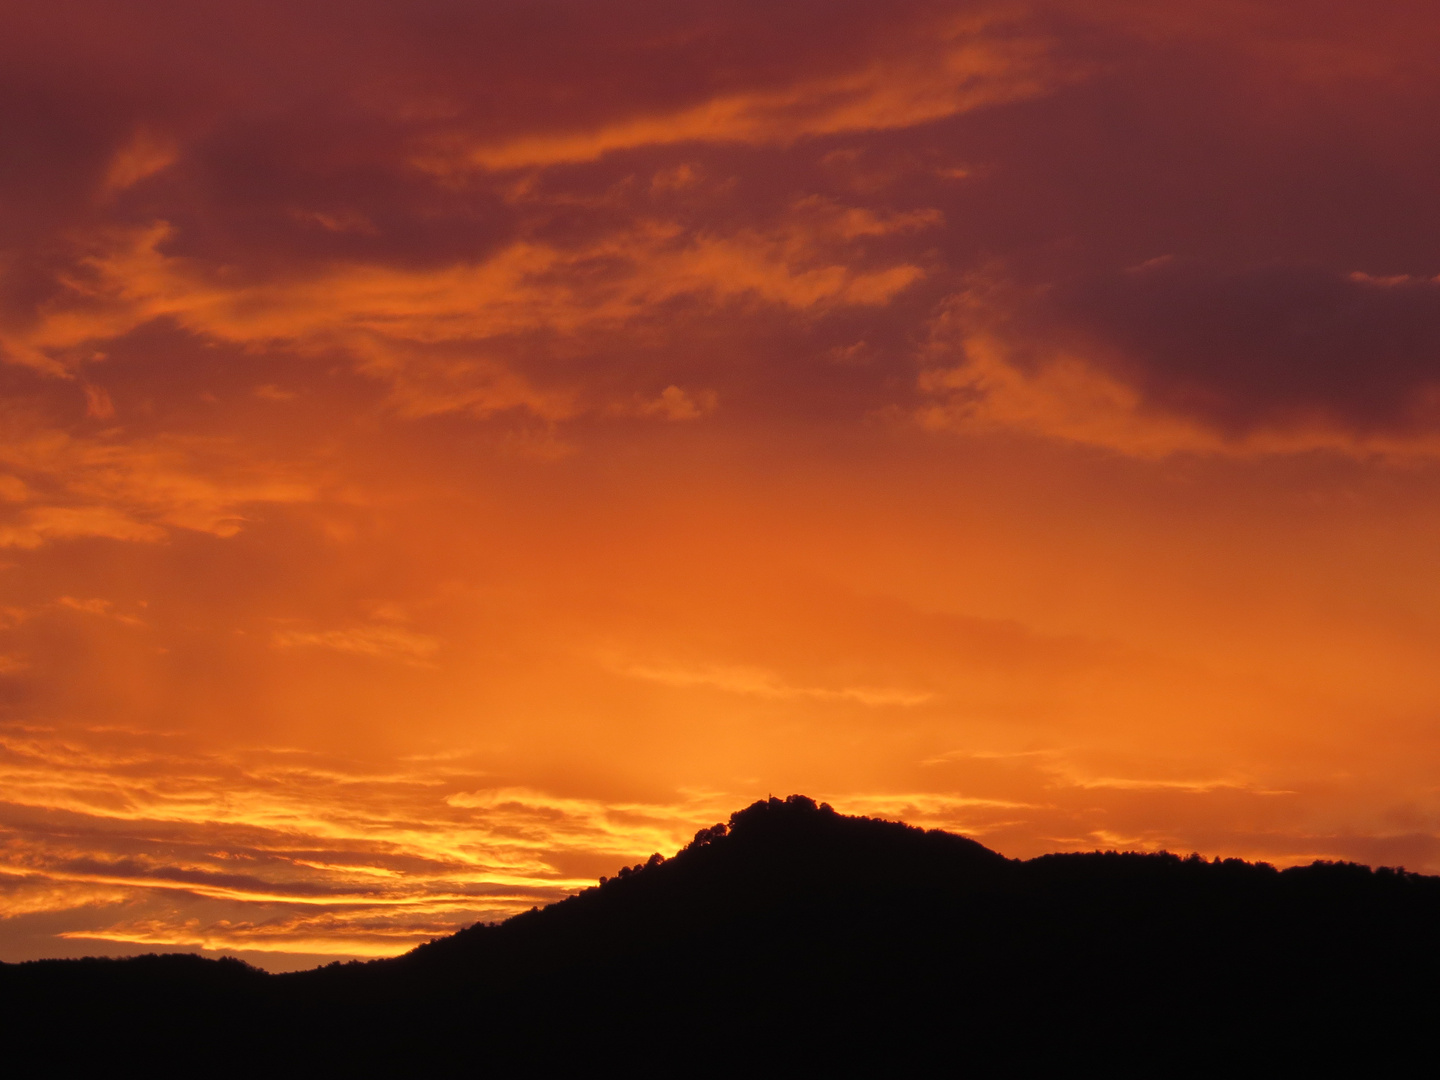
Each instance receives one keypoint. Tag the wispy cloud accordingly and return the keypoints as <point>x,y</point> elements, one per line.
<point>133,489</point>
<point>956,66</point>
<point>757,682</point>
<point>330,857</point>
<point>377,639</point>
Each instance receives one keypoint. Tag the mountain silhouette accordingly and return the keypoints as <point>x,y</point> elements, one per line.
<point>796,940</point>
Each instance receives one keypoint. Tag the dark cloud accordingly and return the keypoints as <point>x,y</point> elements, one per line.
<point>1271,344</point>
<point>1268,175</point>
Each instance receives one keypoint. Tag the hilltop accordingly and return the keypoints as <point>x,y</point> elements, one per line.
<point>794,938</point>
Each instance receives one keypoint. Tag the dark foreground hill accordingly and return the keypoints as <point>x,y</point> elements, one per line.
<point>797,940</point>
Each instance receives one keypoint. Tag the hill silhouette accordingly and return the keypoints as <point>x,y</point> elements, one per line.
<point>794,939</point>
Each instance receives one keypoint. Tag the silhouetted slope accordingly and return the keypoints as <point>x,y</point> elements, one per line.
<point>799,939</point>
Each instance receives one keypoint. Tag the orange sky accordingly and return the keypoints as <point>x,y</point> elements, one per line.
<point>449,450</point>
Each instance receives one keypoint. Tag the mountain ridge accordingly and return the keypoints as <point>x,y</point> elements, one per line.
<point>825,941</point>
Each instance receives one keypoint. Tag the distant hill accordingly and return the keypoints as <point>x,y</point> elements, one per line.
<point>795,940</point>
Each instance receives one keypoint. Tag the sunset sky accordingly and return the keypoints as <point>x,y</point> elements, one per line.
<point>449,450</point>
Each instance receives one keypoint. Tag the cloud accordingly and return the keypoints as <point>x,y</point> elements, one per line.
<point>1170,357</point>
<point>1265,347</point>
<point>1197,787</point>
<point>340,933</point>
<point>377,640</point>
<point>98,405</point>
<point>290,851</point>
<point>29,893</point>
<point>452,338</point>
<point>969,814</point>
<point>757,682</point>
<point>949,66</point>
<point>674,403</point>
<point>146,154</point>
<point>45,524</point>
<point>98,606</point>
<point>133,489</point>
